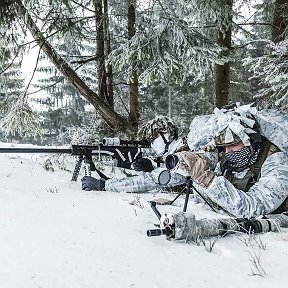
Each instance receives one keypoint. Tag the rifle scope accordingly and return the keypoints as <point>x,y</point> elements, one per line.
<point>171,161</point>
<point>117,141</point>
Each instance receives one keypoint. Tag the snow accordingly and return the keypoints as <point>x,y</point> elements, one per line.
<point>53,234</point>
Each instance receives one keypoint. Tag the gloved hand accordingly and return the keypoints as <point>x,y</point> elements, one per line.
<point>90,183</point>
<point>143,164</point>
<point>196,166</point>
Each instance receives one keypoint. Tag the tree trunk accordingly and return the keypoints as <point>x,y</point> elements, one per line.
<point>133,82</point>
<point>114,120</point>
<point>110,95</point>
<point>222,72</point>
<point>279,22</point>
<point>100,51</point>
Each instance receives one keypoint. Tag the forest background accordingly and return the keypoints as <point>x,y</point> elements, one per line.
<point>104,67</point>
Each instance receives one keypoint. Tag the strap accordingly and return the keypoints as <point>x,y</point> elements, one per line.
<point>165,141</point>
<point>243,183</point>
<point>267,150</point>
<point>102,175</point>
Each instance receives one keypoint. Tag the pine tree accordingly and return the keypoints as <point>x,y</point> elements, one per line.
<point>59,99</point>
<point>17,118</point>
<point>270,69</point>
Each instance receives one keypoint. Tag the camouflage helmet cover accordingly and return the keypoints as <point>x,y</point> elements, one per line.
<point>150,131</point>
<point>220,139</point>
<point>234,125</point>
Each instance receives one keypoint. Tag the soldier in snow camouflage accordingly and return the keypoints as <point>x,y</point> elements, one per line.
<point>163,136</point>
<point>251,177</point>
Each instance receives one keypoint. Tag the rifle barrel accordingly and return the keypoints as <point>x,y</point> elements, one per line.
<point>156,232</point>
<point>34,150</point>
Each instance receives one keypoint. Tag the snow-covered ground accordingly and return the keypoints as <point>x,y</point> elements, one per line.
<point>54,235</point>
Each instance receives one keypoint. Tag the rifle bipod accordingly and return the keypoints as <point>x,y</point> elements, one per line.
<point>89,165</point>
<point>77,168</point>
<point>187,191</point>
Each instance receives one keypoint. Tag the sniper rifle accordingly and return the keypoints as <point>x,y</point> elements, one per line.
<point>185,226</point>
<point>123,153</point>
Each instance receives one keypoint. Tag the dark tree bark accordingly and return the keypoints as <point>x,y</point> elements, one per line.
<point>222,72</point>
<point>114,120</point>
<point>279,22</point>
<point>100,52</point>
<point>110,89</point>
<point>133,82</point>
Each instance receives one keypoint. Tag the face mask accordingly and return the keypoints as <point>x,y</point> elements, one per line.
<point>158,145</point>
<point>243,158</point>
<point>238,159</point>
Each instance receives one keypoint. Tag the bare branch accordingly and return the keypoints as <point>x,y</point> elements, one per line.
<point>35,68</point>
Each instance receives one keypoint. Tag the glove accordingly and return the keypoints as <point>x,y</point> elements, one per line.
<point>90,183</point>
<point>143,164</point>
<point>196,166</point>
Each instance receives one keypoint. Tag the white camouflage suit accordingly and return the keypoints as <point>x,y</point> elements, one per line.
<point>266,195</point>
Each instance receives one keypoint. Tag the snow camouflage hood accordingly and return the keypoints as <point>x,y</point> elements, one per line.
<point>150,130</point>
<point>273,126</point>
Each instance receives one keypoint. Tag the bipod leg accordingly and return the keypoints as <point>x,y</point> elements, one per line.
<point>188,191</point>
<point>77,168</point>
<point>177,196</point>
<point>204,199</point>
<point>155,210</point>
<point>87,167</point>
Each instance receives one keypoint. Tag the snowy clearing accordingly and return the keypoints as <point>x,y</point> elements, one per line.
<point>55,235</point>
